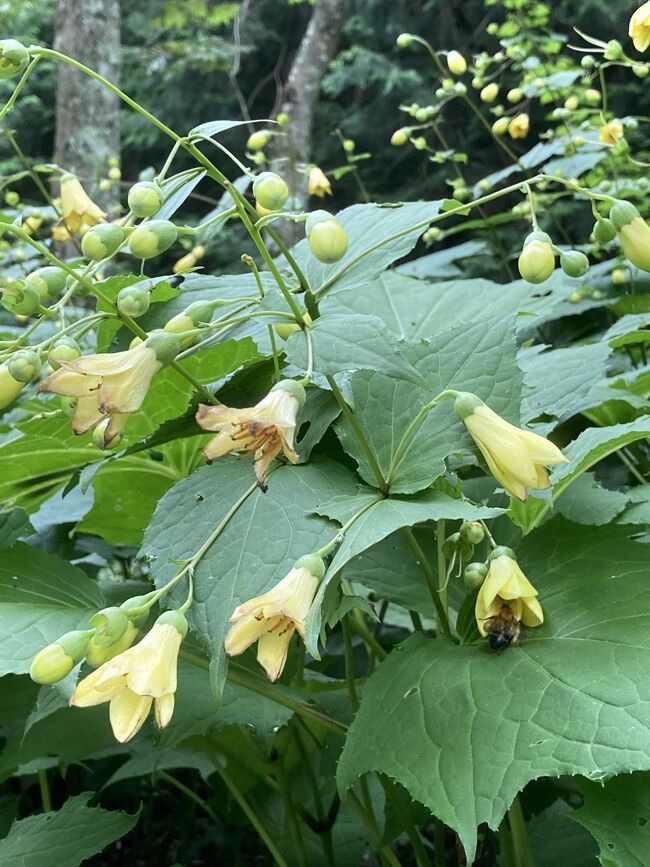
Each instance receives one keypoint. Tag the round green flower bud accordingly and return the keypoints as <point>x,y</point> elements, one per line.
<point>105,439</point>
<point>258,140</point>
<point>176,619</point>
<point>47,281</point>
<point>24,365</point>
<point>502,551</point>
<point>14,58</point>
<point>12,198</point>
<point>133,301</point>
<point>145,199</point>
<point>165,344</point>
<point>400,136</point>
<point>328,241</point>
<point>63,349</point>
<point>114,173</point>
<point>472,532</point>
<point>293,387</point>
<point>451,545</point>
<point>515,95</point>
<point>500,126</point>
<point>474,575</point>
<point>314,565</point>
<point>20,298</point>
<point>575,297</point>
<point>102,241</point>
<point>152,238</point>
<point>536,261</point>
<point>314,218</point>
<point>640,70</point>
<point>50,665</point>
<point>571,103</point>
<point>404,40</point>
<point>283,118</point>
<point>592,96</point>
<point>348,145</point>
<point>574,263</point>
<point>10,388</point>
<point>270,191</point>
<point>137,608</point>
<point>622,214</point>
<point>110,625</point>
<point>588,61</point>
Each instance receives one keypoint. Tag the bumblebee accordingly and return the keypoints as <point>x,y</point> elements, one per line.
<point>504,629</point>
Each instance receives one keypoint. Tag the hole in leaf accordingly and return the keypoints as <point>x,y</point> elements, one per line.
<point>642,821</point>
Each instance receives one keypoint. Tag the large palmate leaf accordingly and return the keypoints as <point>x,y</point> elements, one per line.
<point>478,358</point>
<point>369,252</point>
<point>618,815</point>
<point>260,542</point>
<point>65,838</point>
<point>464,729</point>
<point>41,597</point>
<point>414,308</point>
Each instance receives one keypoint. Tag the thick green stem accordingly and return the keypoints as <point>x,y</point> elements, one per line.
<point>441,615</point>
<point>189,793</point>
<point>43,785</point>
<point>522,852</point>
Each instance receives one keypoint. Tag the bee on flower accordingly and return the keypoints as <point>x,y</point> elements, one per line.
<point>506,600</point>
<point>271,619</point>
<point>76,205</point>
<point>262,431</point>
<point>516,458</point>
<point>319,184</point>
<point>137,678</point>
<point>111,384</point>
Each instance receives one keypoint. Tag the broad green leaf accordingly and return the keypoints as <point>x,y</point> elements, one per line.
<point>587,502</point>
<point>258,545</point>
<point>617,814</point>
<point>379,520</point>
<point>632,328</point>
<point>151,759</point>
<point>559,842</point>
<point>38,463</point>
<point>377,234</point>
<point>414,308</point>
<point>177,190</point>
<point>638,511</point>
<point>41,597</point>
<point>66,837</point>
<point>214,127</point>
<point>352,342</point>
<point>584,452</point>
<point>216,362</point>
<point>464,729</point>
<point>439,265</point>
<point>478,358</point>
<point>14,525</point>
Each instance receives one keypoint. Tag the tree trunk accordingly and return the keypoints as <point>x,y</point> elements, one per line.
<point>87,114</point>
<point>318,46</point>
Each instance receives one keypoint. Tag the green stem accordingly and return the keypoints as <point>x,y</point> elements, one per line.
<point>441,615</point>
<point>523,855</point>
<point>190,794</point>
<point>348,654</point>
<point>408,433</point>
<point>442,570</point>
<point>250,815</point>
<point>326,833</point>
<point>274,352</point>
<point>14,96</point>
<point>371,823</point>
<point>354,424</point>
<point>394,796</point>
<point>45,791</point>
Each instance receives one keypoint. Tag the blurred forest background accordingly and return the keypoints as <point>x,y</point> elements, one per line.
<point>200,60</point>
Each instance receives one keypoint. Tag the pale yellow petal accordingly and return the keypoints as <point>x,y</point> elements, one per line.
<point>243,633</point>
<point>164,710</point>
<point>154,661</point>
<point>532,614</point>
<point>220,445</point>
<point>264,457</point>
<point>128,713</point>
<point>70,383</point>
<point>220,418</point>
<point>86,693</point>
<point>86,415</point>
<point>541,450</point>
<point>272,650</point>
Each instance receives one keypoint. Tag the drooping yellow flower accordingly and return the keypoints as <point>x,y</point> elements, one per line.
<point>519,126</point>
<point>271,619</point>
<point>76,205</point>
<point>506,584</point>
<point>263,430</point>
<point>137,678</point>
<point>640,27</point>
<point>113,384</point>
<point>319,184</point>
<point>611,133</point>
<point>516,458</point>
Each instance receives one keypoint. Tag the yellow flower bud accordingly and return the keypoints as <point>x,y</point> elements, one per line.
<point>400,136</point>
<point>519,126</point>
<point>456,63</point>
<point>515,95</point>
<point>500,126</point>
<point>619,276</point>
<point>50,665</point>
<point>611,133</point>
<point>490,92</point>
<point>258,140</point>
<point>633,233</point>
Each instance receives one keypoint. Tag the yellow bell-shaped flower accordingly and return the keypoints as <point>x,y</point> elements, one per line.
<point>506,584</point>
<point>137,678</point>
<point>319,184</point>
<point>633,233</point>
<point>611,133</point>
<point>263,430</point>
<point>519,126</point>
<point>76,205</point>
<point>516,458</point>
<point>271,619</point>
<point>639,29</point>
